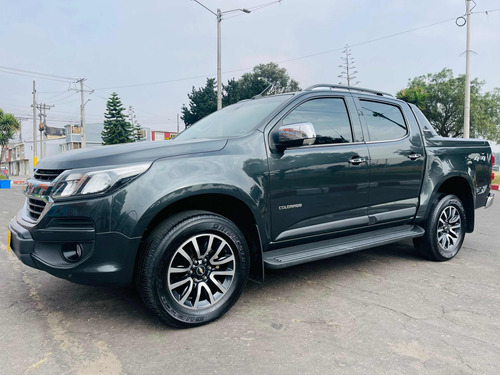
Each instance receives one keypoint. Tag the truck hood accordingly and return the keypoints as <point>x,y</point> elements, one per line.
<point>129,153</point>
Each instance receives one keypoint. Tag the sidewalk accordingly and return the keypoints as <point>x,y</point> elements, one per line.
<point>19,180</point>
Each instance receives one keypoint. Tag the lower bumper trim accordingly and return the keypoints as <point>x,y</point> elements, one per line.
<point>489,201</point>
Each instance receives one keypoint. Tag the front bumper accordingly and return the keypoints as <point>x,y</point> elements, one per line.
<point>107,258</point>
<point>489,200</point>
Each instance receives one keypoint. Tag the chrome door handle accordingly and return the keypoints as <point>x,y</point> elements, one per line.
<point>414,156</point>
<point>357,161</point>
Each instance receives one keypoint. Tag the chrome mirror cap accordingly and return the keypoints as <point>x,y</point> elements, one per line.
<point>298,134</point>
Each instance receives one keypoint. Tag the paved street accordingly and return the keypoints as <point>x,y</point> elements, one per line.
<point>385,310</point>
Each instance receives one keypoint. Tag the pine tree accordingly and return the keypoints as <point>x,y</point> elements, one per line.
<point>116,127</point>
<point>137,132</point>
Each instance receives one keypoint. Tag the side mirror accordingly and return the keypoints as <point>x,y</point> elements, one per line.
<point>295,135</point>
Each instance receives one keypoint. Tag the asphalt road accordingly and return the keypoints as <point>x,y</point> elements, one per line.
<point>381,311</point>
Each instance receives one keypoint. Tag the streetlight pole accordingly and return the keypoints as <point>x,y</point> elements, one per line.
<point>467,75</point>
<point>219,69</point>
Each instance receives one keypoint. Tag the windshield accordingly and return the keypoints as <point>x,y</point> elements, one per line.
<point>234,120</point>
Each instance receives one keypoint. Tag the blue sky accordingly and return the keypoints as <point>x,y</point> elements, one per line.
<point>122,43</point>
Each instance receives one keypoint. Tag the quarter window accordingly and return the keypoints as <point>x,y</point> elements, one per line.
<point>328,116</point>
<point>385,121</point>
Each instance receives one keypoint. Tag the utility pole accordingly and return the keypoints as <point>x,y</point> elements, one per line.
<point>44,136</point>
<point>82,110</point>
<point>34,125</point>
<point>218,15</point>
<point>43,125</point>
<point>467,74</point>
<point>40,113</point>
<point>177,123</point>
<point>219,69</point>
<point>21,119</point>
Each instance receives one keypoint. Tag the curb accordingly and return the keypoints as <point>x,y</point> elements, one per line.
<point>18,182</point>
<point>495,187</point>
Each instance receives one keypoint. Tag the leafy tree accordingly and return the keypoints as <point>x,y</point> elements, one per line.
<point>203,101</point>
<point>116,128</point>
<point>263,76</point>
<point>231,92</point>
<point>440,96</point>
<point>415,95</point>
<point>9,125</point>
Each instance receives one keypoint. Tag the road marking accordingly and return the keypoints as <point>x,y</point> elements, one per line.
<point>36,364</point>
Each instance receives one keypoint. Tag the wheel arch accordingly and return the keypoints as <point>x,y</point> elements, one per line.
<point>462,188</point>
<point>221,203</point>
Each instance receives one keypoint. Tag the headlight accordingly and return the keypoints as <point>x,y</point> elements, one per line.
<point>77,182</point>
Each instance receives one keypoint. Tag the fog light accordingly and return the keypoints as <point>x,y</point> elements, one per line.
<point>72,252</point>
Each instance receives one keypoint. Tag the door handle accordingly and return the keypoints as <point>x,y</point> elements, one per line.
<point>414,156</point>
<point>357,160</point>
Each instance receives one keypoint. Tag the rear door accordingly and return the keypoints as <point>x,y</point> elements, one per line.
<point>321,188</point>
<point>397,158</point>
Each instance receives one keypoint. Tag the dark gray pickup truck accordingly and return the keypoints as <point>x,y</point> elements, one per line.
<point>269,182</point>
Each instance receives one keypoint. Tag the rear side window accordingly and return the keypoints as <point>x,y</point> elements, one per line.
<point>422,120</point>
<point>385,121</point>
<point>329,118</point>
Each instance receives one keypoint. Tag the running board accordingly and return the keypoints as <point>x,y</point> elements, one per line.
<point>293,255</point>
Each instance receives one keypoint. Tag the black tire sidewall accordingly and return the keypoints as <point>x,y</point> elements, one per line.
<point>175,238</point>
<point>435,249</point>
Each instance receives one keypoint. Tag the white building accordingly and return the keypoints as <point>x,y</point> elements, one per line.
<point>19,155</point>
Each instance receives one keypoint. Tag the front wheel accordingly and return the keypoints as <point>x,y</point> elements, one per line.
<point>444,229</point>
<point>194,268</point>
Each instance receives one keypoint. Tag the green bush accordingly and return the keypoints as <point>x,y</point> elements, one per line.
<point>2,177</point>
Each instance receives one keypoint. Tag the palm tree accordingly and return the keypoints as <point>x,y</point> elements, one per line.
<point>415,95</point>
<point>9,125</point>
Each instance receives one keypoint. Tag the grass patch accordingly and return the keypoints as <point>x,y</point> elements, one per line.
<point>496,180</point>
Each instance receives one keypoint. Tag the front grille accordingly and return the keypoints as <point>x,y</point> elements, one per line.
<point>35,208</point>
<point>47,174</point>
<point>37,189</point>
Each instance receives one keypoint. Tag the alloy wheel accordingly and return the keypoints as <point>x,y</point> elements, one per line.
<point>449,228</point>
<point>201,271</point>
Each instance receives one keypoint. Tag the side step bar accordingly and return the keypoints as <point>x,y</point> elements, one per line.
<point>293,255</point>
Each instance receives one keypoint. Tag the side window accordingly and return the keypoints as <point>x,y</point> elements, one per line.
<point>385,121</point>
<point>422,120</point>
<point>328,116</point>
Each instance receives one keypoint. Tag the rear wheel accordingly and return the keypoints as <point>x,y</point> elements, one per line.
<point>444,229</point>
<point>194,268</point>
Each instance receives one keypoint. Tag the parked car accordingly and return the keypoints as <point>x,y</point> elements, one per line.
<point>269,182</point>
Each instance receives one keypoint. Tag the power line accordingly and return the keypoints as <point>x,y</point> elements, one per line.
<point>70,79</point>
<point>30,73</point>
<point>255,8</point>
<point>33,76</point>
<point>282,61</point>
<point>56,95</point>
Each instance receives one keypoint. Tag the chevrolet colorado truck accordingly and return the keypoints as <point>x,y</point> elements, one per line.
<point>266,183</point>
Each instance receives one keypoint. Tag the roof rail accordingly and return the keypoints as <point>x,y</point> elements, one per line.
<point>349,88</point>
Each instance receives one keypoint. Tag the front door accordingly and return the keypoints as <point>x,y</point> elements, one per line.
<point>321,188</point>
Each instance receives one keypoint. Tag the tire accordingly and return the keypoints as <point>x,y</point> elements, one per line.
<point>194,267</point>
<point>444,229</point>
